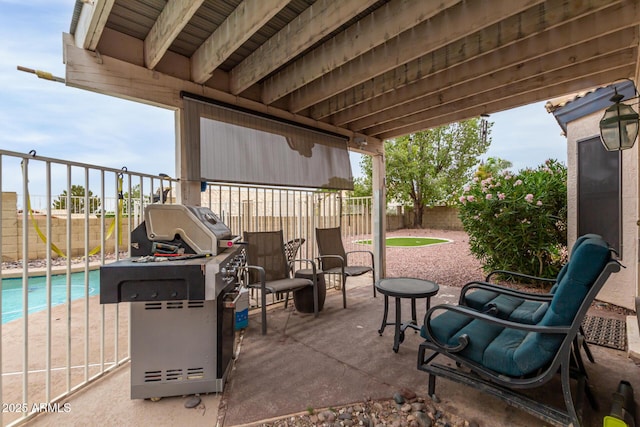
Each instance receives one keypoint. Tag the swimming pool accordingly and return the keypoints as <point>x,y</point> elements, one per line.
<point>12,292</point>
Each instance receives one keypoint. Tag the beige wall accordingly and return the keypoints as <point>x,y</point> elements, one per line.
<point>12,239</point>
<point>437,217</point>
<point>621,288</point>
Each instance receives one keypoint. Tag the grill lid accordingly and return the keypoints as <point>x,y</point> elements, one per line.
<point>198,226</point>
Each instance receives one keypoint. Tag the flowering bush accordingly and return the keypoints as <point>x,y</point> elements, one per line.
<point>517,222</point>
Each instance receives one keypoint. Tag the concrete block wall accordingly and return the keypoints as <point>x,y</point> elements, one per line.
<point>9,226</point>
<point>12,233</point>
<point>37,248</point>
<point>436,217</point>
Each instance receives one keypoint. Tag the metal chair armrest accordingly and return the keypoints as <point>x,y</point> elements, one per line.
<point>520,275</point>
<point>362,251</point>
<point>260,270</point>
<point>342,260</point>
<point>502,290</point>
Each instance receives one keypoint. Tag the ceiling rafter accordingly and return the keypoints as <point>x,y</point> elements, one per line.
<point>515,58</point>
<point>503,90</point>
<point>93,19</point>
<point>460,21</point>
<point>175,15</point>
<point>506,76</point>
<point>588,53</point>
<point>507,102</point>
<point>317,21</point>
<point>240,25</point>
<point>373,30</point>
<point>474,52</point>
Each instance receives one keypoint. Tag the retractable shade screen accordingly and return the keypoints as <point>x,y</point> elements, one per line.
<point>238,146</point>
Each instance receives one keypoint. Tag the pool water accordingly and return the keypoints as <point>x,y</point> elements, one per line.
<point>12,292</point>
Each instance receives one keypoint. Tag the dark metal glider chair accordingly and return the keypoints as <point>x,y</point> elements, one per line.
<point>505,356</point>
<point>514,305</point>
<point>269,270</point>
<point>334,260</point>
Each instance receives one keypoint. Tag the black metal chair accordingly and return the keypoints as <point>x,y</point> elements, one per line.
<point>269,269</point>
<point>334,259</point>
<point>505,356</point>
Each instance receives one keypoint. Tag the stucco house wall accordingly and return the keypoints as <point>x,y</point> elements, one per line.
<point>621,288</point>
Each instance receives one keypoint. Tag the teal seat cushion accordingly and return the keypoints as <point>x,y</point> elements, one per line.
<point>445,325</point>
<point>529,312</point>
<point>479,298</point>
<point>448,326</point>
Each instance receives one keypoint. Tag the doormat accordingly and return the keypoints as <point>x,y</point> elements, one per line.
<point>605,332</point>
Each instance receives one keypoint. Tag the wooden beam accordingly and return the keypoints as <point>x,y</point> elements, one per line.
<point>373,30</point>
<point>314,23</point>
<point>458,22</point>
<point>240,25</point>
<point>482,90</point>
<point>482,73</point>
<point>471,55</point>
<point>93,18</point>
<point>121,79</point>
<point>550,84</point>
<point>516,100</point>
<point>175,15</point>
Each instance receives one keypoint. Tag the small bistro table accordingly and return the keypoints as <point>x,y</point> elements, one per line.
<point>404,287</point>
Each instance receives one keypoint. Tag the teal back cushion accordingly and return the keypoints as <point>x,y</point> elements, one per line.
<point>586,265</point>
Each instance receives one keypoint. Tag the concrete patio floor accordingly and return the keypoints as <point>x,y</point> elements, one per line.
<point>333,360</point>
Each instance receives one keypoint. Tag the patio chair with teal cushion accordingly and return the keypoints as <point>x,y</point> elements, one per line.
<point>269,270</point>
<point>514,305</point>
<point>504,355</point>
<point>334,259</point>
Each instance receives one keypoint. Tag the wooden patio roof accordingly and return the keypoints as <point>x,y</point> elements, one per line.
<point>367,69</point>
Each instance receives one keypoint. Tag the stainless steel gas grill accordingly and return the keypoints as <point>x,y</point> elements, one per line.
<point>180,283</point>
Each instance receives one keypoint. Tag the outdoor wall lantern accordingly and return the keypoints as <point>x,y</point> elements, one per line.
<point>619,125</point>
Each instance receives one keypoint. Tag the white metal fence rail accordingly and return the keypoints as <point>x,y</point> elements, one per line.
<point>47,354</point>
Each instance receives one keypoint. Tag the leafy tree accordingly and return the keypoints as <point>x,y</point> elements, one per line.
<point>518,222</point>
<point>492,167</point>
<point>427,168</point>
<point>77,200</point>
<point>361,188</point>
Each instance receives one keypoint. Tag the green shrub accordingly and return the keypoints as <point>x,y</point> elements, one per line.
<point>518,221</point>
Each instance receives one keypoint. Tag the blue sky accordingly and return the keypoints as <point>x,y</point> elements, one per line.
<point>72,124</point>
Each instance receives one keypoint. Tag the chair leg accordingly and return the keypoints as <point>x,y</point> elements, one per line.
<point>432,386</point>
<point>264,312</point>
<point>566,392</point>
<point>286,300</point>
<point>344,291</point>
<point>585,346</point>
<point>373,283</point>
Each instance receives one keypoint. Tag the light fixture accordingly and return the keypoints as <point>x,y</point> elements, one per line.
<point>484,126</point>
<point>619,125</point>
<point>360,141</point>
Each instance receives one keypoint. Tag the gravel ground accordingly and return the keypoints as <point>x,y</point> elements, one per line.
<point>449,264</point>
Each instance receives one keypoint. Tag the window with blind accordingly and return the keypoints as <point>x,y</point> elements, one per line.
<point>599,192</point>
